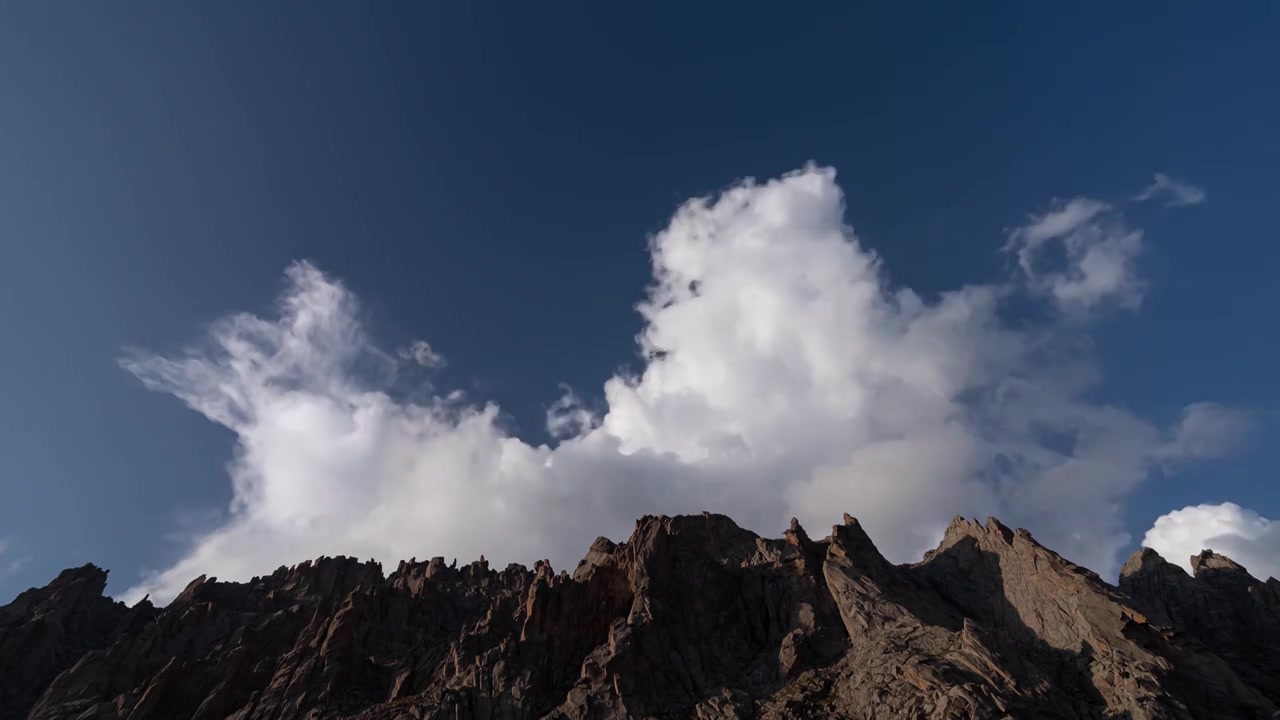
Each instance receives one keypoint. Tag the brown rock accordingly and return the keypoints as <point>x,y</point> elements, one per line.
<point>46,630</point>
<point>1222,609</point>
<point>691,617</point>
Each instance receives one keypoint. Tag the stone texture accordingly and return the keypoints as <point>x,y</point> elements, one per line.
<point>691,617</point>
<point>46,630</point>
<point>1222,608</point>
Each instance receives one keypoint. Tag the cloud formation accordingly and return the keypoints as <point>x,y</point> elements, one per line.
<point>1228,529</point>
<point>1176,193</point>
<point>782,375</point>
<point>420,352</point>
<point>1208,430</point>
<point>1098,256</point>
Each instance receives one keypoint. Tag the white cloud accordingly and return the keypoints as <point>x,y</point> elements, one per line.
<point>569,417</point>
<point>420,352</point>
<point>1207,430</point>
<point>1061,222</point>
<point>1099,256</point>
<point>1178,193</point>
<point>784,376</point>
<point>1228,529</point>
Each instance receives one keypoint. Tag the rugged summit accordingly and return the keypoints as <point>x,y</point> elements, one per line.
<point>692,617</point>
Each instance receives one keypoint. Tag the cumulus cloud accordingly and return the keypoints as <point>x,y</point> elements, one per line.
<point>1228,529</point>
<point>1096,256</point>
<point>1176,193</point>
<point>782,375</point>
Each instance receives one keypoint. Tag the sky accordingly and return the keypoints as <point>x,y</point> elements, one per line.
<point>441,279</point>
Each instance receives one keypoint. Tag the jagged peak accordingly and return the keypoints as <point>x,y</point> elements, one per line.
<point>331,562</point>
<point>646,520</point>
<point>850,527</point>
<point>1144,561</point>
<point>1209,560</point>
<point>604,544</point>
<point>189,592</point>
<point>795,533</point>
<point>702,528</point>
<point>994,536</point>
<point>88,570</point>
<point>850,540</point>
<point>962,527</point>
<point>88,574</point>
<point>996,527</point>
<point>523,641</point>
<point>600,552</point>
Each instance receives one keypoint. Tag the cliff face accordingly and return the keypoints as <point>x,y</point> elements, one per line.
<point>692,617</point>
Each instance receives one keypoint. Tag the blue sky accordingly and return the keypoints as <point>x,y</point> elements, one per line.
<point>489,182</point>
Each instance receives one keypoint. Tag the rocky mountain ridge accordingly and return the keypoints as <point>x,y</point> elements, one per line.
<point>691,617</point>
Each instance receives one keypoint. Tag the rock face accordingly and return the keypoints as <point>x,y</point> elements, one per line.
<point>692,617</point>
<point>45,631</point>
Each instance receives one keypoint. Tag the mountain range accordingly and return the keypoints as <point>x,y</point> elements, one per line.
<point>691,617</point>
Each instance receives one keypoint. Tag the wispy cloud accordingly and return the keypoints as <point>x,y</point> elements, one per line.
<point>1098,256</point>
<point>1208,430</point>
<point>783,376</point>
<point>1177,193</point>
<point>420,352</point>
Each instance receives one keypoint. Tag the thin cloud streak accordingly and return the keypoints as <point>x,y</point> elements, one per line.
<point>1176,193</point>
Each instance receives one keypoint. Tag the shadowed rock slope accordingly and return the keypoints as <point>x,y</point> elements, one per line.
<point>692,617</point>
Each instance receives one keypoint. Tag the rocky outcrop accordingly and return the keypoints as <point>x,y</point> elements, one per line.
<point>1221,608</point>
<point>691,617</point>
<point>46,630</point>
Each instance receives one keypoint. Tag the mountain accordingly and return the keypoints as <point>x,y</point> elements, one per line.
<point>692,617</point>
